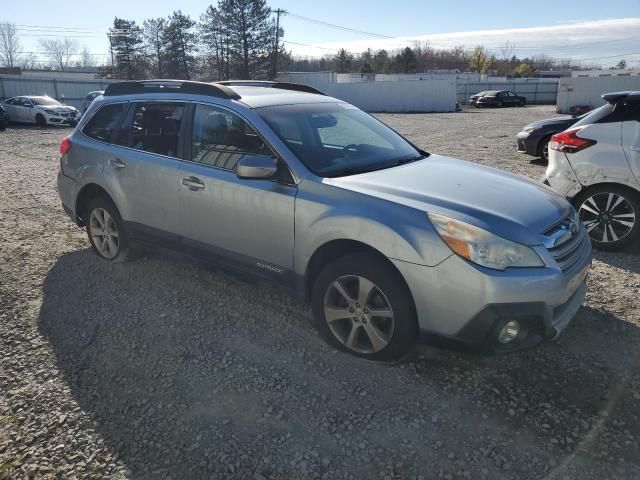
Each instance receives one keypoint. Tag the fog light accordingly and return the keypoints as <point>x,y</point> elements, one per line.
<point>509,332</point>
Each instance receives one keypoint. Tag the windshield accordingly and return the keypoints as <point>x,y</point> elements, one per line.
<point>44,101</point>
<point>337,139</point>
<point>595,115</point>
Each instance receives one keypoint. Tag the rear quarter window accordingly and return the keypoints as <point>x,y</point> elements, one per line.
<point>104,122</point>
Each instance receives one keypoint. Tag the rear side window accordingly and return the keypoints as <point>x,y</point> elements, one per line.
<point>221,138</point>
<point>154,128</point>
<point>597,115</point>
<point>104,122</point>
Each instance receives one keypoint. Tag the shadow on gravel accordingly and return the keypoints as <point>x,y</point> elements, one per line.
<point>192,374</point>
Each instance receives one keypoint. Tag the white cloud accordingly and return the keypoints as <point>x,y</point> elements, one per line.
<point>576,39</point>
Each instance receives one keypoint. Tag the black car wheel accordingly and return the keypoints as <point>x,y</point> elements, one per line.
<point>610,213</point>
<point>500,104</point>
<point>41,121</point>
<point>543,149</point>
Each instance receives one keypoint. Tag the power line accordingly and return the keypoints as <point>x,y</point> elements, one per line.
<point>620,55</point>
<point>338,27</point>
<point>307,45</point>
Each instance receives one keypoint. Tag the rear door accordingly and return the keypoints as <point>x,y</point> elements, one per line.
<point>142,170</point>
<point>631,137</point>
<point>244,223</point>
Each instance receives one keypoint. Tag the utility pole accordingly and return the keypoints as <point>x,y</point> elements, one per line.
<point>276,46</point>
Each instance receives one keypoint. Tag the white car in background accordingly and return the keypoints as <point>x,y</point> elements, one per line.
<point>596,164</point>
<point>40,110</point>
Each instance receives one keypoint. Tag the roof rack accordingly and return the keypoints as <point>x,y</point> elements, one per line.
<point>170,86</point>
<point>616,97</point>
<point>298,87</point>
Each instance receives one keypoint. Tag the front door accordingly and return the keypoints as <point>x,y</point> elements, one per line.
<point>243,223</point>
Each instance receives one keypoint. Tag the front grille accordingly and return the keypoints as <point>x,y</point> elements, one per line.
<point>568,250</point>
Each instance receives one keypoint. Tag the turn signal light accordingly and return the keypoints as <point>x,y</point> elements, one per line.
<point>65,145</point>
<point>570,142</point>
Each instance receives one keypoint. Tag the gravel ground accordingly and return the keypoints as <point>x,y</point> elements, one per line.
<point>159,369</point>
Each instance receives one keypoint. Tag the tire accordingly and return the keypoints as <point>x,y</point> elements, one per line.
<point>611,214</point>
<point>500,105</point>
<point>522,103</point>
<point>543,149</point>
<point>385,338</point>
<point>116,249</point>
<point>41,121</point>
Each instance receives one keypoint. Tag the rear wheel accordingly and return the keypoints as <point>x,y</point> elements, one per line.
<point>106,230</point>
<point>362,306</point>
<point>41,121</point>
<point>610,214</point>
<point>500,104</point>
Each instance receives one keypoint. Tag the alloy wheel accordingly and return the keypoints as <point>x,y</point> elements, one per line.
<point>608,217</point>
<point>545,151</point>
<point>359,314</point>
<point>104,233</point>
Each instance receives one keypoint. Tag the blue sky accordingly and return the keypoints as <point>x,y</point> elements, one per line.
<point>585,29</point>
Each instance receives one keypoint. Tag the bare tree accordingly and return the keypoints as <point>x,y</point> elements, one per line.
<point>29,62</point>
<point>59,51</point>
<point>86,58</point>
<point>506,50</point>
<point>9,44</point>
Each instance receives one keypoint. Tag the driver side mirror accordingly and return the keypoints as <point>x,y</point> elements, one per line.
<point>256,166</point>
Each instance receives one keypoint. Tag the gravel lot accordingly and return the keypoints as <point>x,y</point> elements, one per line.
<point>159,369</point>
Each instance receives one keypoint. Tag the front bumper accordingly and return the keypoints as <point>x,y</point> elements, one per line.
<point>62,120</point>
<point>459,300</point>
<point>528,143</point>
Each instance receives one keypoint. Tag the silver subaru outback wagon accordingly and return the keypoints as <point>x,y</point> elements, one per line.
<point>386,241</point>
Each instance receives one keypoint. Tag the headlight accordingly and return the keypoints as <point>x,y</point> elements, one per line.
<point>481,247</point>
<point>50,112</point>
<point>531,129</point>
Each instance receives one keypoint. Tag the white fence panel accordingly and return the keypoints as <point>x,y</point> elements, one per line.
<point>573,92</point>
<point>400,96</point>
<point>68,91</point>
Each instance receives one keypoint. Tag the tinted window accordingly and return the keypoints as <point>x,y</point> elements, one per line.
<point>595,115</point>
<point>104,122</point>
<point>220,138</point>
<point>154,128</point>
<point>337,139</point>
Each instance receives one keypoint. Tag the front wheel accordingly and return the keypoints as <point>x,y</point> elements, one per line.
<point>362,306</point>
<point>610,215</point>
<point>41,121</point>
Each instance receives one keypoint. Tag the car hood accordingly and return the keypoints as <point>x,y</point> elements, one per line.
<point>505,204</point>
<point>59,109</point>
<point>563,122</point>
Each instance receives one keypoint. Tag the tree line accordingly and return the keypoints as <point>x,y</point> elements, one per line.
<point>238,39</point>
<point>232,39</point>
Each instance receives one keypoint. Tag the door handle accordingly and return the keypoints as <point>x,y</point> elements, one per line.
<point>116,163</point>
<point>193,183</point>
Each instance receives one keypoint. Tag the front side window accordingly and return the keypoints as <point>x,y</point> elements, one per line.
<point>337,139</point>
<point>104,122</point>
<point>220,138</point>
<point>154,128</point>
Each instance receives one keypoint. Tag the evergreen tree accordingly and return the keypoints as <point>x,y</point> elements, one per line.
<point>154,45</point>
<point>180,44</point>
<point>343,61</point>
<point>251,29</point>
<point>407,60</point>
<point>215,32</point>
<point>126,47</point>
